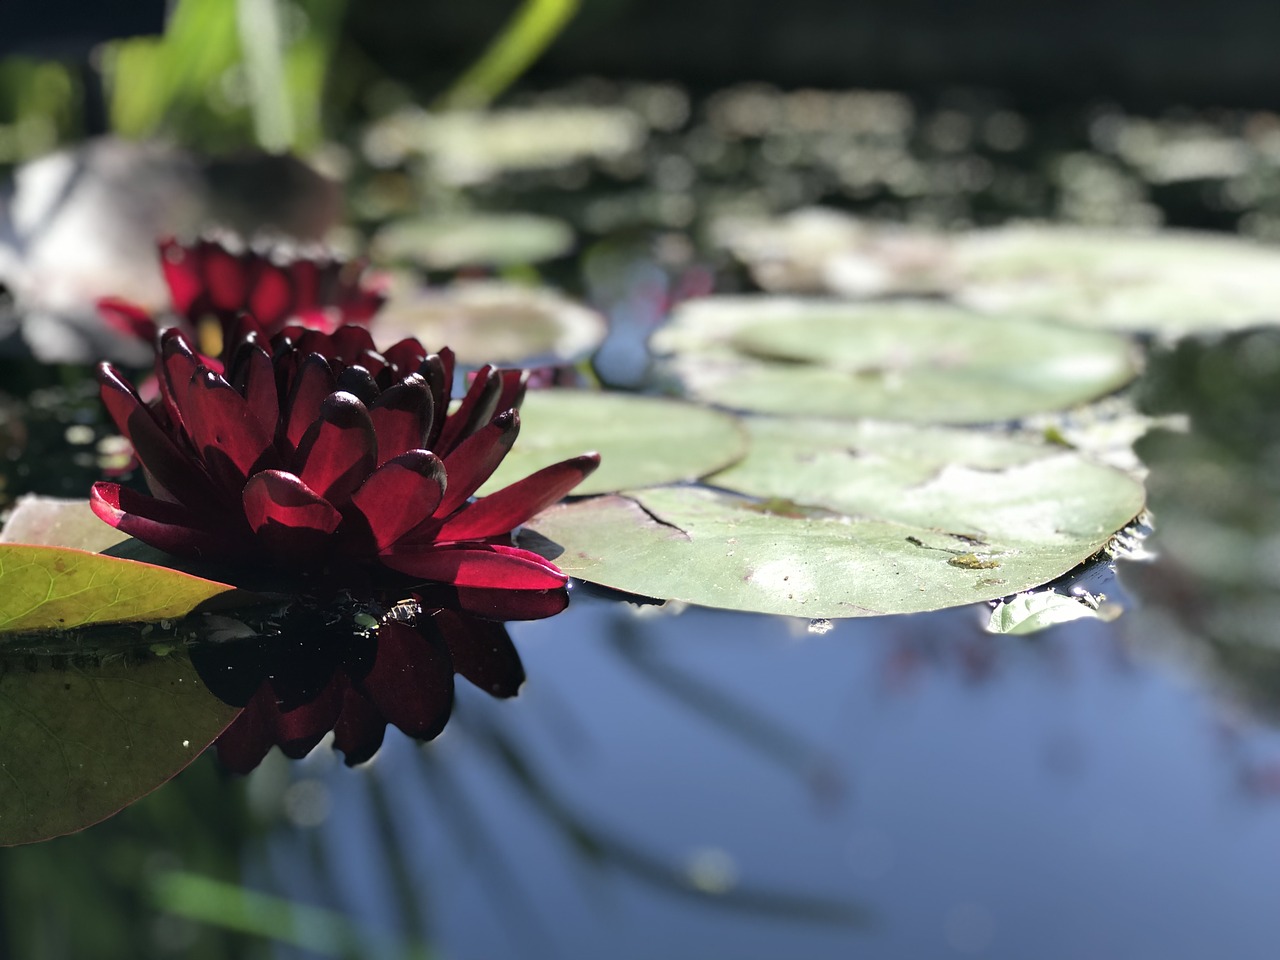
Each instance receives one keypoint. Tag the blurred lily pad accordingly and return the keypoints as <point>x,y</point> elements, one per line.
<point>491,322</point>
<point>58,522</point>
<point>474,240</point>
<point>1171,282</point>
<point>85,736</point>
<point>879,519</point>
<point>820,250</point>
<point>911,360</point>
<point>469,147</point>
<point>643,441</point>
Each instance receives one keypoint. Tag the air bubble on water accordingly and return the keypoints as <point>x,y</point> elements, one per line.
<point>820,627</point>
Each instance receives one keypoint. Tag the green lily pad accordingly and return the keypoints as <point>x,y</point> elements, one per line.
<point>83,739</point>
<point>57,588</point>
<point>474,240</point>
<point>642,441</point>
<point>900,360</point>
<point>495,323</point>
<point>1171,282</point>
<point>852,522</point>
<point>58,522</point>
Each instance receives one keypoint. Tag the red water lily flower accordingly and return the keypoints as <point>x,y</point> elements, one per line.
<point>320,676</point>
<point>316,452</point>
<point>208,279</point>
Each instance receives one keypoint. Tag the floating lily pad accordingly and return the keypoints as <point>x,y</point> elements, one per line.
<point>1171,282</point>
<point>881,519</point>
<point>90,736</point>
<point>58,522</point>
<point>642,441</point>
<point>475,240</point>
<point>899,360</point>
<point>57,588</point>
<point>495,323</point>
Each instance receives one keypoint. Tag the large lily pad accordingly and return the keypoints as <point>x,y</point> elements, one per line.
<point>495,323</point>
<point>82,737</point>
<point>57,588</point>
<point>1171,282</point>
<point>473,240</point>
<point>842,523</point>
<point>900,360</point>
<point>642,441</point>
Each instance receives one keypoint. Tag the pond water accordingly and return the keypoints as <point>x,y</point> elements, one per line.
<point>685,782</point>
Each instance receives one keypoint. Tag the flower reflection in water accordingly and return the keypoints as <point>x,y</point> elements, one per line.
<point>319,671</point>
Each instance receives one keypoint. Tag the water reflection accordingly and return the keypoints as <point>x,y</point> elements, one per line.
<point>1213,593</point>
<point>325,669</point>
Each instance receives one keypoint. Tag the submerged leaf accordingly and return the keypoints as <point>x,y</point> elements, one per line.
<point>82,739</point>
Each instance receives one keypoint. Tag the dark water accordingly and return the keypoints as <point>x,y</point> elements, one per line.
<point>724,785</point>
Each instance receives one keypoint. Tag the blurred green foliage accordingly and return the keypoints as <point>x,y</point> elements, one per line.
<point>226,76</point>
<point>38,106</point>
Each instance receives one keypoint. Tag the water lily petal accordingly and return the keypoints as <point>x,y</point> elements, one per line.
<point>437,370</point>
<point>475,459</point>
<point>339,450</point>
<point>288,517</point>
<point>271,298</point>
<point>514,384</point>
<point>254,378</point>
<point>297,731</point>
<point>405,355</point>
<point>357,379</point>
<point>127,318</point>
<point>475,565</point>
<point>306,284</point>
<point>476,410</point>
<point>226,431</point>
<point>411,682</point>
<point>177,475</point>
<point>314,381</point>
<point>360,728</point>
<point>251,735</point>
<point>495,603</point>
<point>503,511</point>
<point>400,494</point>
<point>352,342</point>
<point>181,274</point>
<point>226,282</point>
<point>170,527</point>
<point>402,417</point>
<point>176,366</point>
<point>482,652</point>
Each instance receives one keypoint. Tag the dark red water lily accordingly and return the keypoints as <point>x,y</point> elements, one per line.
<point>210,280</point>
<point>317,452</point>
<point>319,676</point>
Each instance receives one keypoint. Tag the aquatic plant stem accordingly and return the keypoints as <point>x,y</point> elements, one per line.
<point>524,38</point>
